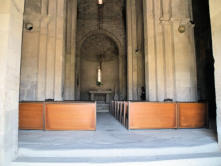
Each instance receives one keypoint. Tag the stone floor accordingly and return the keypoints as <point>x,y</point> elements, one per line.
<point>112,144</point>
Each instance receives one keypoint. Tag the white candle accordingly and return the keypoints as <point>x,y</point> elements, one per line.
<point>99,75</point>
<point>100,2</point>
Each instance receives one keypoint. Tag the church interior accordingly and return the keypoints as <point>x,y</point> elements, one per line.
<point>117,82</point>
<point>112,51</point>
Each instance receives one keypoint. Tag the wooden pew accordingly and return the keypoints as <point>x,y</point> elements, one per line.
<point>149,115</point>
<point>31,115</point>
<point>192,115</point>
<point>70,116</point>
<point>125,114</point>
<point>112,107</point>
<point>121,112</point>
<point>115,108</point>
<point>57,116</point>
<point>120,104</point>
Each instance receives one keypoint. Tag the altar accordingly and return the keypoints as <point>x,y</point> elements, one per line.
<point>106,93</point>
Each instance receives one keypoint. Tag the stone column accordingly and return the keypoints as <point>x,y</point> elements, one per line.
<point>131,50</point>
<point>54,66</point>
<point>170,91</point>
<point>11,14</point>
<point>70,57</point>
<point>60,50</point>
<point>215,14</point>
<point>150,50</point>
<point>73,48</point>
<point>184,52</point>
<point>42,52</point>
<point>160,51</point>
<point>51,50</point>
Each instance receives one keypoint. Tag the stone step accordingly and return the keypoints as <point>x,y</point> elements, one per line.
<point>48,161</point>
<point>102,107</point>
<point>119,152</point>
<point>100,102</point>
<point>204,155</point>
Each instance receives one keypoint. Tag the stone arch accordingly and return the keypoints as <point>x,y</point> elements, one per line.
<point>104,32</point>
<point>121,89</point>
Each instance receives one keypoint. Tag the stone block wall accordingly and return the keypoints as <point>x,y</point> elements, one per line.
<point>43,50</point>
<point>169,53</point>
<point>11,16</point>
<point>215,14</point>
<point>153,53</point>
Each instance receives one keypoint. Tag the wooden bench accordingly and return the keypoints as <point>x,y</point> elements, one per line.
<point>125,114</point>
<point>57,115</point>
<point>143,115</point>
<point>161,115</point>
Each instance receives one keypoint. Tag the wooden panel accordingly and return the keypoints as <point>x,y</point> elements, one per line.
<point>77,116</point>
<point>31,116</point>
<point>125,114</point>
<point>152,115</point>
<point>192,115</point>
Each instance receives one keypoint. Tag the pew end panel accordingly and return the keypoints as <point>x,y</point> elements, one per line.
<point>31,116</point>
<point>193,115</point>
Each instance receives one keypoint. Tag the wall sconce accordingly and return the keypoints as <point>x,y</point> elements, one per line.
<point>182,28</point>
<point>28,26</point>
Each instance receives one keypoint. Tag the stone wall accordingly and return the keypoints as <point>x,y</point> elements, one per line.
<point>215,14</point>
<point>113,26</point>
<point>169,54</point>
<point>43,50</point>
<point>135,49</point>
<point>152,52</point>
<point>11,16</point>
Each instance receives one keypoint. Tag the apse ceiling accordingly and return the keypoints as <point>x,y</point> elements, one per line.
<point>97,46</point>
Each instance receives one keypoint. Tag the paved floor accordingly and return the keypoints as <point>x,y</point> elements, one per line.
<point>112,143</point>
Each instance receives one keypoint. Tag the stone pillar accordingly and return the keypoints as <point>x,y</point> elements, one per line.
<point>150,50</point>
<point>160,51</point>
<point>42,52</point>
<point>11,16</point>
<point>51,50</point>
<point>170,62</point>
<point>215,14</point>
<point>73,47</point>
<point>184,51</point>
<point>170,91</point>
<point>131,50</point>
<point>60,50</point>
<point>70,58</point>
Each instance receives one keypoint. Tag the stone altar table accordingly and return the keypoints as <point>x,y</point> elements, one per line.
<point>104,92</point>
